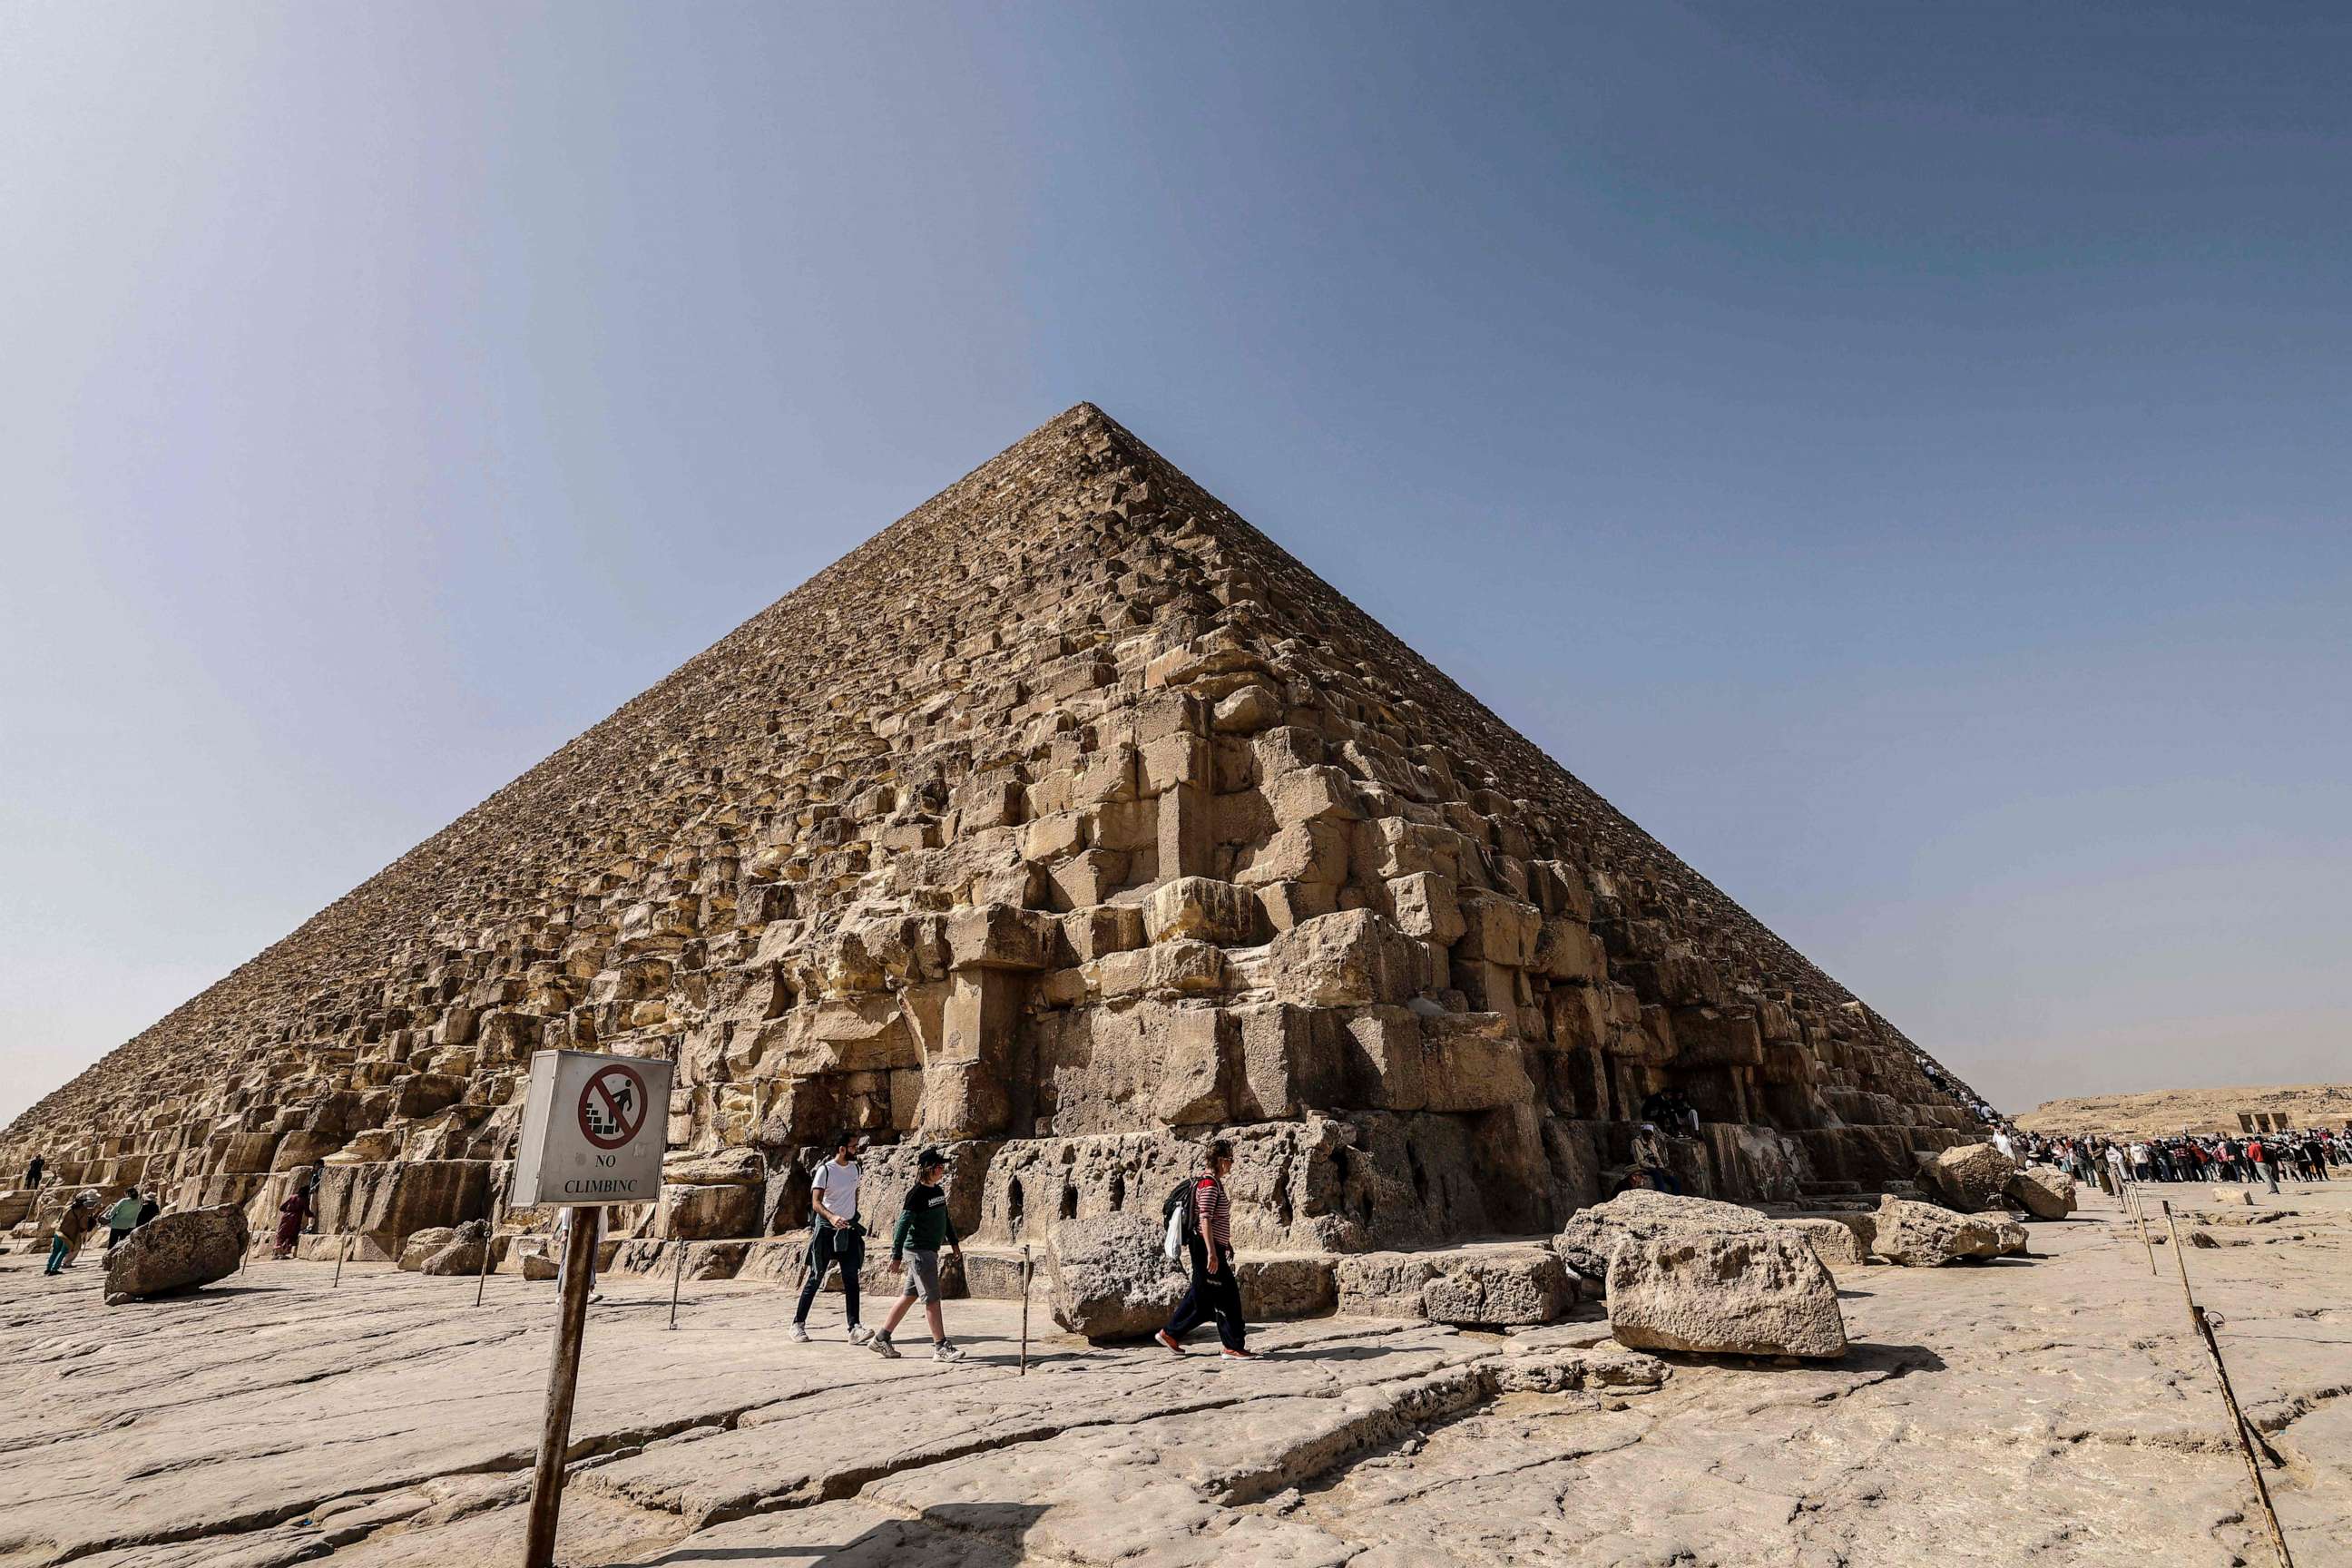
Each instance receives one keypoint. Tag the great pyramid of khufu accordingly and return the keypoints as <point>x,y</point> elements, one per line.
<point>1067,821</point>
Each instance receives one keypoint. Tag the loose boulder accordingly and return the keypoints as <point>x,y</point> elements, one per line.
<point>1970,1178</point>
<point>1592,1234</point>
<point>462,1253</point>
<point>1837,1243</point>
<point>1107,1278</point>
<point>423,1244</point>
<point>2045,1192</point>
<point>1724,1293</point>
<point>177,1252</point>
<point>2007,1232</point>
<point>1923,1235</point>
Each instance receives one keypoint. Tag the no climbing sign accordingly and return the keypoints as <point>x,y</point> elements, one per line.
<point>592,1129</point>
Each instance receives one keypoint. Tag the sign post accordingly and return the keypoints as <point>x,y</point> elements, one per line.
<point>593,1130</point>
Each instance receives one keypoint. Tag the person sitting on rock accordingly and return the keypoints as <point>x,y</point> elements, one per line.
<point>1651,1166</point>
<point>923,1227</point>
<point>1215,1290</point>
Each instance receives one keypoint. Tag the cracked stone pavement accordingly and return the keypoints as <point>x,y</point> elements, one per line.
<point>2054,1410</point>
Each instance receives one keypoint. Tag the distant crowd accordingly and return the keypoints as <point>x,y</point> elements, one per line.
<point>2307,1155</point>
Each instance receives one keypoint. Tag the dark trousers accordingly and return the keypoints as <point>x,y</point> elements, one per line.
<point>1215,1294</point>
<point>824,1252</point>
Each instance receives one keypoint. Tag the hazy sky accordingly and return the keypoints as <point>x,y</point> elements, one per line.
<point>1899,454</point>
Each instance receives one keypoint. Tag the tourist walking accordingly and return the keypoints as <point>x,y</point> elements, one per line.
<point>33,1173</point>
<point>122,1219</point>
<point>2118,1167</point>
<point>2263,1152</point>
<point>924,1227</point>
<point>1215,1291</point>
<point>836,1237</point>
<point>73,1224</point>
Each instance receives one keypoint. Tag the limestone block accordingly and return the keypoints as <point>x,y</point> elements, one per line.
<point>1923,1235</point>
<point>1100,930</point>
<point>1192,968</point>
<point>998,936</point>
<point>1173,760</point>
<point>1204,909</point>
<point>1473,1061</point>
<point>179,1251</point>
<point>1568,949</point>
<point>1090,878</point>
<point>1758,1293</point>
<point>1839,1244</point>
<point>1289,1059</point>
<point>2045,1192</point>
<point>1382,1284</point>
<point>1497,930</point>
<point>2008,1235</point>
<point>1316,793</point>
<point>1355,957</point>
<point>1248,708</point>
<point>1423,906</point>
<point>1303,852</point>
<point>1592,1235</point>
<point>1052,838</point>
<point>1286,905</point>
<point>707,1213</point>
<point>423,1245</point>
<point>1106,1278</point>
<point>1195,1049</point>
<point>1502,1287</point>
<point>1383,1061</point>
<point>1969,1177</point>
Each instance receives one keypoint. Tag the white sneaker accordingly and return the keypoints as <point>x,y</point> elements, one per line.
<point>881,1346</point>
<point>859,1334</point>
<point>942,1351</point>
<point>595,1295</point>
<point>800,1333</point>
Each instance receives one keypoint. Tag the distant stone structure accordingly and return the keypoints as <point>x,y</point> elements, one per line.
<point>1067,820</point>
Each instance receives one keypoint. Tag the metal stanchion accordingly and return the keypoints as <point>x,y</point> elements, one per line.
<point>1024,1308</point>
<point>2238,1425</point>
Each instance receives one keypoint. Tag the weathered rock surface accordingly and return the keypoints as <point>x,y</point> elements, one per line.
<point>462,1253</point>
<point>1838,1243</point>
<point>1592,1235</point>
<point>1107,1278</point>
<point>2045,1192</point>
<point>1491,1286</point>
<point>176,1252</point>
<point>1923,1236</point>
<point>1725,1292</point>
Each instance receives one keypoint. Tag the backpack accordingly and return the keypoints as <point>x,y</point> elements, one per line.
<point>1181,1219</point>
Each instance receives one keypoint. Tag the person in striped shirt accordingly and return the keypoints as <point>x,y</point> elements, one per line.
<point>1215,1291</point>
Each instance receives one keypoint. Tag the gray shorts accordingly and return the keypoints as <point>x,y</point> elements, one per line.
<point>923,1275</point>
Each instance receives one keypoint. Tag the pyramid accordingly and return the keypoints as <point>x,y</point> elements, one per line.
<point>1067,821</point>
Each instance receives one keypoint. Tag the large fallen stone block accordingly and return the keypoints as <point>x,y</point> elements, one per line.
<point>1592,1234</point>
<point>1923,1235</point>
<point>423,1245</point>
<point>177,1252</point>
<point>1969,1177</point>
<point>1836,1243</point>
<point>1485,1287</point>
<point>1724,1293</point>
<point>462,1253</point>
<point>1106,1278</point>
<point>2007,1234</point>
<point>2045,1192</point>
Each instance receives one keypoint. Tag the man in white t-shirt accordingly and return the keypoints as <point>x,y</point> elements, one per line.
<point>836,1237</point>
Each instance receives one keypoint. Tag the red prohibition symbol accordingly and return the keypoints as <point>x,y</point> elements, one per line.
<point>613,1106</point>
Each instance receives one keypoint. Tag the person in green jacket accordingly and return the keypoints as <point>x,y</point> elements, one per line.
<point>923,1227</point>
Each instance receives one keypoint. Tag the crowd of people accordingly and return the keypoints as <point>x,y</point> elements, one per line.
<point>2306,1155</point>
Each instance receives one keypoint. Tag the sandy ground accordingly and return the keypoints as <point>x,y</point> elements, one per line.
<point>2052,1410</point>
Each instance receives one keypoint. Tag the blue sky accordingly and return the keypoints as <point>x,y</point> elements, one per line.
<point>1897,453</point>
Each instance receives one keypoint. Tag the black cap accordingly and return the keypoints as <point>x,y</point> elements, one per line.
<point>934,1155</point>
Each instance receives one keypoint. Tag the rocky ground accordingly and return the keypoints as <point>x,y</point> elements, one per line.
<point>2049,1410</point>
<point>2164,1112</point>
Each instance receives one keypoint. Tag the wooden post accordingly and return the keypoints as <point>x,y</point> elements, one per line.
<point>2230,1398</point>
<point>562,1383</point>
<point>2139,1218</point>
<point>677,1275</point>
<point>1024,1308</point>
<point>482,1280</point>
<point>340,1255</point>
